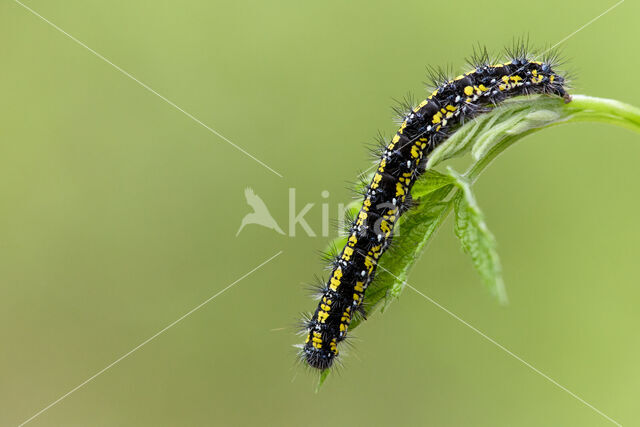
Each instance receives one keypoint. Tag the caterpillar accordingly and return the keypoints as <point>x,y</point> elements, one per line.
<point>402,161</point>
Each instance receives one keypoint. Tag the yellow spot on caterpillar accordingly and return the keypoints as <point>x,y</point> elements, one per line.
<point>437,117</point>
<point>375,252</point>
<point>460,77</point>
<point>483,88</point>
<point>335,280</point>
<point>317,340</point>
<point>394,141</point>
<point>552,77</point>
<point>376,180</point>
<point>399,190</point>
<point>359,287</point>
<point>346,254</point>
<point>369,264</point>
<point>451,108</point>
<point>334,347</point>
<point>385,227</point>
<point>383,164</point>
<point>415,153</point>
<point>468,91</point>
<point>323,316</point>
<point>361,217</point>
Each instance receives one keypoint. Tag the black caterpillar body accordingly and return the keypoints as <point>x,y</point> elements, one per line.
<point>388,194</point>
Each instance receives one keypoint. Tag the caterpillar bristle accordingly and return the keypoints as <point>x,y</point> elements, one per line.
<point>438,76</point>
<point>317,288</point>
<point>356,188</point>
<point>375,150</point>
<point>554,58</point>
<point>305,322</point>
<point>407,204</point>
<point>403,107</point>
<point>381,140</point>
<point>330,257</point>
<point>479,58</point>
<point>361,312</point>
<point>349,221</point>
<point>519,50</point>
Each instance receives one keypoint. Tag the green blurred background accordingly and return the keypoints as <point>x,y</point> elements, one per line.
<point>119,214</point>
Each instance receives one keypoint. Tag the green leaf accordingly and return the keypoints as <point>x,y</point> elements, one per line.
<point>475,237</point>
<point>323,377</point>
<point>430,182</point>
